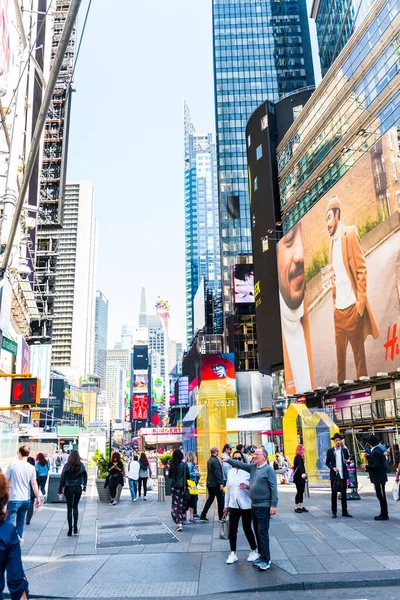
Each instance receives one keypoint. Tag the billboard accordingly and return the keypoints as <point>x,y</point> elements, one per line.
<point>183,390</point>
<point>140,382</point>
<point>338,275</point>
<point>40,366</point>
<point>140,357</point>
<point>140,407</point>
<point>55,400</point>
<point>243,278</point>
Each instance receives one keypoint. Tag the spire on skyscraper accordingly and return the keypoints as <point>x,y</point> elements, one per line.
<point>143,311</point>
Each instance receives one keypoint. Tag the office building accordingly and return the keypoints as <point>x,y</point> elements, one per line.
<point>100,338</point>
<point>261,51</point>
<point>120,355</point>
<point>335,23</point>
<point>115,388</point>
<point>202,245</point>
<point>75,292</point>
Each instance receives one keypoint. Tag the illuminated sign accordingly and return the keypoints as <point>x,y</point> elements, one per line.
<point>25,391</point>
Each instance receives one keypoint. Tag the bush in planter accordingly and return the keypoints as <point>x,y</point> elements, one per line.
<point>164,458</point>
<point>102,464</point>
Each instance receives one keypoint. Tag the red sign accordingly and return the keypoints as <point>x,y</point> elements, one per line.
<point>161,431</point>
<point>25,391</point>
<point>140,409</point>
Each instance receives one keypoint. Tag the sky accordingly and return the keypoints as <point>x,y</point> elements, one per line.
<point>138,63</point>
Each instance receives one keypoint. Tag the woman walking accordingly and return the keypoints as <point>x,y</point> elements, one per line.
<point>193,474</point>
<point>29,513</point>
<point>238,504</point>
<point>144,474</point>
<point>72,481</point>
<point>115,476</point>
<point>42,470</point>
<point>179,474</point>
<point>299,479</point>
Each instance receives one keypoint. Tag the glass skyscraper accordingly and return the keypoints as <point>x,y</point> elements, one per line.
<point>100,338</point>
<point>262,51</point>
<point>202,246</point>
<point>336,21</point>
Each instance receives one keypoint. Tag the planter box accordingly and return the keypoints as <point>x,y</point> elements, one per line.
<point>103,493</point>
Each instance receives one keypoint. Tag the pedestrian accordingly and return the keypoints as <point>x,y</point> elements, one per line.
<point>29,513</point>
<point>241,448</point>
<point>10,551</point>
<point>21,476</point>
<point>73,481</point>
<point>63,458</point>
<point>179,474</point>
<point>337,459</point>
<point>144,474</point>
<point>133,477</point>
<point>376,468</point>
<point>115,476</point>
<point>264,500</point>
<point>193,475</point>
<point>299,479</point>
<point>226,467</point>
<point>42,470</point>
<point>238,505</point>
<point>215,485</point>
<point>56,461</point>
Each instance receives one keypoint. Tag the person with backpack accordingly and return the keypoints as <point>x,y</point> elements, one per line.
<point>144,474</point>
<point>42,470</point>
<point>56,461</point>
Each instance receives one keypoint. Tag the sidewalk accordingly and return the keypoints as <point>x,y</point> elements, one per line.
<point>131,550</point>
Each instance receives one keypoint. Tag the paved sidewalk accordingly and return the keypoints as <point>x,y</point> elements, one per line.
<point>132,551</point>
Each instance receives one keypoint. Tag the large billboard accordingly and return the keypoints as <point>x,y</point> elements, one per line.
<point>243,278</point>
<point>40,366</point>
<point>339,277</point>
<point>140,411</point>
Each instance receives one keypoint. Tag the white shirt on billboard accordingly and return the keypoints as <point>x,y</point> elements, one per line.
<point>345,296</point>
<point>293,332</point>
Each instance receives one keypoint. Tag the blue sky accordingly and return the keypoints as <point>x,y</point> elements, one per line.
<point>139,61</point>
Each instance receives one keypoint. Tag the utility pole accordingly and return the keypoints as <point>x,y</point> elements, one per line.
<point>37,135</point>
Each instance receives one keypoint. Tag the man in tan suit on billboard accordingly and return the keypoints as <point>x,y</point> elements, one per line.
<point>353,317</point>
<point>299,374</point>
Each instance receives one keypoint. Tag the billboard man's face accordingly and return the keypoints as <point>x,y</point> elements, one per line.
<point>219,371</point>
<point>291,268</point>
<point>332,221</point>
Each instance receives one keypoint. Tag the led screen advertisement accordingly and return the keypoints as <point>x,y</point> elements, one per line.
<point>140,410</point>
<point>338,274</point>
<point>140,382</point>
<point>243,277</point>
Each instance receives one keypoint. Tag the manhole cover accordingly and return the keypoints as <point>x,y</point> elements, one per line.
<point>118,533</point>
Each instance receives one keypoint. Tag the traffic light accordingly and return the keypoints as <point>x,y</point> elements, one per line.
<point>25,391</point>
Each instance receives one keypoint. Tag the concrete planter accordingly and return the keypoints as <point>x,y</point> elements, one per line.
<point>103,493</point>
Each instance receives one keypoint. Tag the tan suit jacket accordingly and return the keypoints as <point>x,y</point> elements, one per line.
<point>356,267</point>
<point>289,383</point>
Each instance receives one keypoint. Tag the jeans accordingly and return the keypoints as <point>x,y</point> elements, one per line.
<point>72,495</point>
<point>143,481</point>
<point>133,486</point>
<point>261,519</point>
<point>42,483</point>
<point>214,492</point>
<point>16,511</point>
<point>10,559</point>
<point>234,518</point>
<point>381,495</point>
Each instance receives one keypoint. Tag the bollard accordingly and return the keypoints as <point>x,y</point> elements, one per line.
<point>161,488</point>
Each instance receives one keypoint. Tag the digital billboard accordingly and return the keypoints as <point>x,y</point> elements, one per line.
<point>140,357</point>
<point>40,366</point>
<point>140,411</point>
<point>140,382</point>
<point>338,274</point>
<point>243,277</point>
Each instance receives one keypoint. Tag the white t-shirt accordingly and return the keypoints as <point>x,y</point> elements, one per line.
<point>20,474</point>
<point>64,458</point>
<point>339,463</point>
<point>134,468</point>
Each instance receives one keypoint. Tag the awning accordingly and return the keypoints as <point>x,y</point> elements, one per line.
<point>258,424</point>
<point>192,414</point>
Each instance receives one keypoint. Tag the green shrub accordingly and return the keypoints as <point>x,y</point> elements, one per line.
<point>164,458</point>
<point>318,261</point>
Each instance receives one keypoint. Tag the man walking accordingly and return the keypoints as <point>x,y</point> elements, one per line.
<point>264,500</point>
<point>336,461</point>
<point>215,484</point>
<point>22,476</point>
<point>133,477</point>
<point>376,467</point>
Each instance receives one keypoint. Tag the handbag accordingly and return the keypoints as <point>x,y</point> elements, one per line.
<point>396,491</point>
<point>193,491</point>
<point>186,493</point>
<point>224,530</point>
<point>337,484</point>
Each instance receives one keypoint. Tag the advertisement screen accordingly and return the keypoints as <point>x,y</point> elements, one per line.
<point>219,371</point>
<point>40,366</point>
<point>140,383</point>
<point>243,284</point>
<point>338,273</point>
<point>140,357</point>
<point>140,407</point>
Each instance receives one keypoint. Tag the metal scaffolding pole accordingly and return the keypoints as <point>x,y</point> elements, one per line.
<point>54,73</point>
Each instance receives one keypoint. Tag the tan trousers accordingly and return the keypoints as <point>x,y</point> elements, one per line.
<point>349,327</point>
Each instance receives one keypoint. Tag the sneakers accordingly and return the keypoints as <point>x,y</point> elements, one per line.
<point>232,558</point>
<point>253,556</point>
<point>298,510</point>
<point>113,502</point>
<point>144,498</point>
<point>257,562</point>
<point>179,528</point>
<point>304,509</point>
<point>203,520</point>
<point>264,566</point>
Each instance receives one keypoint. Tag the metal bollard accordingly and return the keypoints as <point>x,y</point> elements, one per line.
<point>161,488</point>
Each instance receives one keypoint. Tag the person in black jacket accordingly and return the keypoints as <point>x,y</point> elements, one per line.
<point>115,476</point>
<point>336,461</point>
<point>178,473</point>
<point>72,481</point>
<point>299,479</point>
<point>376,467</point>
<point>215,485</point>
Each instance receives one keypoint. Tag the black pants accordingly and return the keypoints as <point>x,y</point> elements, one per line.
<point>72,495</point>
<point>29,514</point>
<point>381,495</point>
<point>214,492</point>
<point>113,483</point>
<point>342,488</point>
<point>234,518</point>
<point>300,487</point>
<point>143,481</point>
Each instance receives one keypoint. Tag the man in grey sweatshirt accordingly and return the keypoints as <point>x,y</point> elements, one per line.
<point>264,499</point>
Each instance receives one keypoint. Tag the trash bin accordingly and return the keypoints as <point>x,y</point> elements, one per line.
<point>167,481</point>
<point>52,490</point>
<point>161,489</point>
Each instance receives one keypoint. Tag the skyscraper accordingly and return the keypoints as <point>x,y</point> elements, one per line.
<point>261,51</point>
<point>202,246</point>
<point>335,23</point>
<point>100,338</point>
<point>75,292</point>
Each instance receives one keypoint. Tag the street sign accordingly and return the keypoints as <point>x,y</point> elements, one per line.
<point>8,345</point>
<point>25,391</point>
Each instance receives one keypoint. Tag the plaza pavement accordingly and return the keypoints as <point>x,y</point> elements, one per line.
<point>131,550</point>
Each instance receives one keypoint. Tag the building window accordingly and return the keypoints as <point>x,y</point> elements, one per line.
<point>259,152</point>
<point>255,184</point>
<point>398,198</point>
<point>264,122</point>
<point>394,168</point>
<point>233,207</point>
<point>264,243</point>
<point>297,110</point>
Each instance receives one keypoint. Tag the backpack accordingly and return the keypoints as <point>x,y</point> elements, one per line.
<point>58,461</point>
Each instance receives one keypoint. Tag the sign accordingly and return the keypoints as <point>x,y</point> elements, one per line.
<point>96,425</point>
<point>8,345</point>
<point>25,391</point>
<point>40,366</point>
<point>160,431</point>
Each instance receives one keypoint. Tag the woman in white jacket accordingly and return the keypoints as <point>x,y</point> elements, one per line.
<point>238,504</point>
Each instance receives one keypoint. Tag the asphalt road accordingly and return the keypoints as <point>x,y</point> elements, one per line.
<point>383,298</point>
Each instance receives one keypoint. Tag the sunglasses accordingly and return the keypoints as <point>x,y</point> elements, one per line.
<point>237,458</point>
